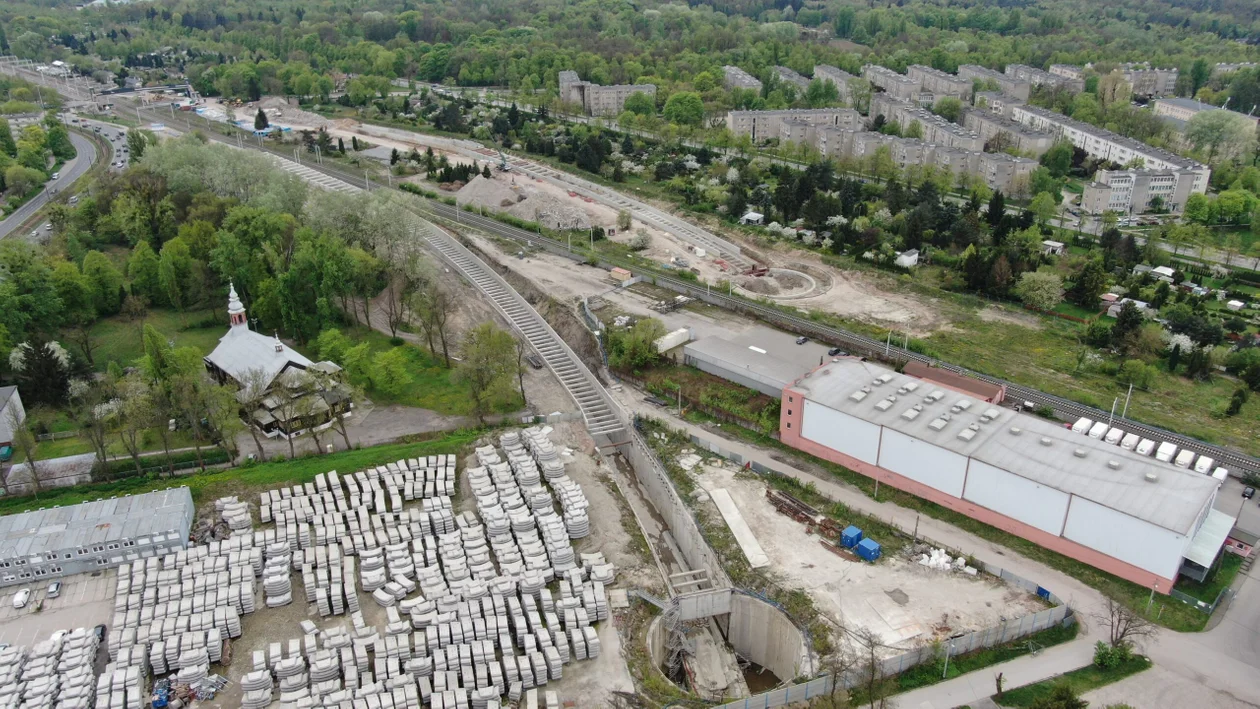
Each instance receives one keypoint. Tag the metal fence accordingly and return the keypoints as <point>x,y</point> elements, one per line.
<point>1000,634</point>
<point>1199,605</point>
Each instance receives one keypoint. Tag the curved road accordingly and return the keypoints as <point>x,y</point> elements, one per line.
<point>70,172</point>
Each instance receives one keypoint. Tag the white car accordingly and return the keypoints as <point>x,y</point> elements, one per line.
<point>56,176</point>
<point>21,598</point>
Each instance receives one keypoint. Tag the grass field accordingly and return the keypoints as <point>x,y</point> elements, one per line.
<point>249,480</point>
<point>1081,681</point>
<point>1219,580</point>
<point>118,339</point>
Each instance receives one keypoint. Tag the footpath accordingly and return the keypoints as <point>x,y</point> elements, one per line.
<point>975,687</point>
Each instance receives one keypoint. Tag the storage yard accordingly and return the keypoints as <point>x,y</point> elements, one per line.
<point>420,581</point>
<point>906,603</point>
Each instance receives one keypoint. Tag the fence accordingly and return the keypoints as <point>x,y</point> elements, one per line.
<point>1000,634</point>
<point>1197,604</point>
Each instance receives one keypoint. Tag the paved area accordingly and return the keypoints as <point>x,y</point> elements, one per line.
<point>86,600</point>
<point>1160,690</point>
<point>70,172</point>
<point>968,688</point>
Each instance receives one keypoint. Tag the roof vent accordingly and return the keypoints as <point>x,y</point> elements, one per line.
<point>911,413</point>
<point>910,386</point>
<point>967,434</point>
<point>992,413</point>
<point>936,395</point>
<point>1016,430</point>
<point>1113,464</point>
<point>1046,441</point>
<point>939,423</point>
<point>885,378</point>
<point>1152,477</point>
<point>876,382</point>
<point>886,404</point>
<point>1079,452</point>
<point>859,394</point>
<point>962,405</point>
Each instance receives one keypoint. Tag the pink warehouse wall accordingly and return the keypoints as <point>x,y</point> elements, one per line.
<point>790,421</point>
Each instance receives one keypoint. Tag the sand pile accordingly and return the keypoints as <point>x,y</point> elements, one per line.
<point>523,202</point>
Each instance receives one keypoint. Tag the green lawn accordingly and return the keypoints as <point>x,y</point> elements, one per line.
<point>431,386</point>
<point>1081,681</point>
<point>119,339</point>
<point>78,445</point>
<point>1220,579</point>
<point>251,479</point>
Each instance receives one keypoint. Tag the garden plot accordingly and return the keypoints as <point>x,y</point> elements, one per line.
<point>371,587</point>
<point>905,603</point>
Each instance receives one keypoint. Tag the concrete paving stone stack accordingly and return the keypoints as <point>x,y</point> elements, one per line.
<point>578,638</point>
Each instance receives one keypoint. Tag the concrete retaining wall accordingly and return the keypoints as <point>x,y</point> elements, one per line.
<point>762,633</point>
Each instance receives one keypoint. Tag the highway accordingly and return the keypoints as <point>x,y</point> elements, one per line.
<point>71,171</point>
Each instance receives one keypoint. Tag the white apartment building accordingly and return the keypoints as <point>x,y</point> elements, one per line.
<point>597,100</point>
<point>896,85</point>
<point>839,77</point>
<point>939,83</point>
<point>1019,88</point>
<point>990,125</point>
<point>791,76</point>
<point>763,125</point>
<point>737,78</point>
<point>1102,143</point>
<point>1150,81</point>
<point>935,129</point>
<point>1038,77</point>
<point>1135,191</point>
<point>999,170</point>
<point>1180,110</point>
<point>1068,71</point>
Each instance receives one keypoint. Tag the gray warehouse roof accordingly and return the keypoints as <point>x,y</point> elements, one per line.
<point>98,522</point>
<point>1028,446</point>
<point>764,355</point>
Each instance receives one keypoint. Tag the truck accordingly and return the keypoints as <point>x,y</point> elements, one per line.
<point>1204,465</point>
<point>1098,429</point>
<point>1166,452</point>
<point>1184,458</point>
<point>1082,425</point>
<point>1130,441</point>
<point>1145,447</point>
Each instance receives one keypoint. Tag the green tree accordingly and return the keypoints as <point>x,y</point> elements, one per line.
<point>635,349</point>
<point>137,143</point>
<point>949,108</point>
<point>1128,323</point>
<point>7,144</point>
<point>1221,133</point>
<point>332,345</point>
<point>1042,181</point>
<point>21,179</point>
<point>106,281</point>
<point>1088,283</point>
<point>260,120</point>
<point>143,270</point>
<point>685,108</point>
<point>1040,289</point>
<point>489,368</point>
<point>77,304</point>
<point>1061,697</point>
<point>175,275</point>
<point>1058,159</point>
<point>390,371</point>
<point>640,104</point>
<point>1043,207</point>
<point>821,93</point>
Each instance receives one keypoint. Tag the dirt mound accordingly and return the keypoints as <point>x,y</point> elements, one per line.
<point>790,281</point>
<point>551,212</point>
<point>490,194</point>
<point>292,114</point>
<point>758,285</point>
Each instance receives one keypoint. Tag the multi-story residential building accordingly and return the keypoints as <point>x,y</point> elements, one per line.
<point>996,102</point>
<point>1179,110</point>
<point>763,125</point>
<point>598,100</point>
<point>998,170</point>
<point>1137,191</point>
<point>1019,88</point>
<point>994,127</point>
<point>839,77</point>
<point>1102,143</point>
<point>1223,68</point>
<point>790,76</point>
<point>894,84</point>
<point>934,128</point>
<point>1038,77</point>
<point>1068,71</point>
<point>1149,81</point>
<point>1002,172</point>
<point>737,78</point>
<point>938,83</point>
<point>794,130</point>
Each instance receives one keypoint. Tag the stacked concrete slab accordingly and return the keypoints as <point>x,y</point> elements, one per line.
<point>56,672</point>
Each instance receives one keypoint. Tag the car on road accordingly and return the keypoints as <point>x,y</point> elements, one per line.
<point>837,352</point>
<point>802,340</point>
<point>56,176</point>
<point>54,590</point>
<point>1249,492</point>
<point>21,598</point>
<point>74,199</point>
<point>35,234</point>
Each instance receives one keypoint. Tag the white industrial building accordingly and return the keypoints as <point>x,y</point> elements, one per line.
<point>1093,500</point>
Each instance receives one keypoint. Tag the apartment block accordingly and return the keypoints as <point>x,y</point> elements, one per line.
<point>794,130</point>
<point>935,129</point>
<point>763,125</point>
<point>790,76</point>
<point>1229,68</point>
<point>1038,77</point>
<point>1180,110</point>
<point>1068,71</point>
<point>996,102</point>
<point>597,100</point>
<point>1134,191</point>
<point>1102,143</point>
<point>737,78</point>
<point>1019,88</point>
<point>938,83</point>
<point>1001,171</point>
<point>839,77</point>
<point>990,126</point>
<point>998,170</point>
<point>1150,81</point>
<point>894,84</point>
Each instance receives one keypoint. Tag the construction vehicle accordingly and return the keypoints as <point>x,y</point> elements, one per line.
<point>503,165</point>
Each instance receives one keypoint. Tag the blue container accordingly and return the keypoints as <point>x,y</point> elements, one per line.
<point>868,549</point>
<point>850,537</point>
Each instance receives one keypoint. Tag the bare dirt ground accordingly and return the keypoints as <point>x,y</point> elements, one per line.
<point>906,604</point>
<point>1010,316</point>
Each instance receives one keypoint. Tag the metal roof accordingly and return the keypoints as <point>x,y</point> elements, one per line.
<point>129,517</point>
<point>242,349</point>
<point>1210,538</point>
<point>1022,444</point>
<point>769,356</point>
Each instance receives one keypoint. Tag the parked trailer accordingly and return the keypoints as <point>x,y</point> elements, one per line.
<point>1113,436</point>
<point>1145,447</point>
<point>1082,425</point>
<point>1184,458</point>
<point>1130,441</point>
<point>1098,429</point>
<point>1221,475</point>
<point>1166,452</point>
<point>1204,465</point>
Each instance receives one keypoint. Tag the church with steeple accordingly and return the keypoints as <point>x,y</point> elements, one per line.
<point>300,394</point>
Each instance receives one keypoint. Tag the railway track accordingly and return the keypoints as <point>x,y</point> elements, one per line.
<point>1071,410</point>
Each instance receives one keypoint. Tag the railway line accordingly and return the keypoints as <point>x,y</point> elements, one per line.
<point>1233,460</point>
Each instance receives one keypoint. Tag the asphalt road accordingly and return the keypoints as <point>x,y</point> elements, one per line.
<point>70,172</point>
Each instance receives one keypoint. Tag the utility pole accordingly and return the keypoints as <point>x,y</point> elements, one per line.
<point>1125,413</point>
<point>888,344</point>
<point>1112,415</point>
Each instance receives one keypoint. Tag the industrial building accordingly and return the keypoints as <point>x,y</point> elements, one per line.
<point>1019,88</point>
<point>997,130</point>
<point>1127,514</point>
<point>1102,143</point>
<point>91,536</point>
<point>763,360</point>
<point>737,78</point>
<point>1039,77</point>
<point>764,125</point>
<point>597,100</point>
<point>1137,191</point>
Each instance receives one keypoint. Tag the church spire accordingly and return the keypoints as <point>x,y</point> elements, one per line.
<point>236,311</point>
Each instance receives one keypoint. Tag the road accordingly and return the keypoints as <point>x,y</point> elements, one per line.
<point>71,171</point>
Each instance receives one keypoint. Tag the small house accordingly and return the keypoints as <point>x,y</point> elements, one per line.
<point>1052,248</point>
<point>1163,273</point>
<point>1240,542</point>
<point>1235,305</point>
<point>907,259</point>
<point>1114,309</point>
<point>754,218</point>
<point>620,274</point>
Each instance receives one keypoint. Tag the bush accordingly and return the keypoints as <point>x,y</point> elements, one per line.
<point>1107,657</point>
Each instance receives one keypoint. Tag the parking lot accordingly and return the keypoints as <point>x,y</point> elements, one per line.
<point>86,600</point>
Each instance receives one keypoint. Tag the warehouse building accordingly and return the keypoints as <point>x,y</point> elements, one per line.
<point>1129,515</point>
<point>763,359</point>
<point>91,536</point>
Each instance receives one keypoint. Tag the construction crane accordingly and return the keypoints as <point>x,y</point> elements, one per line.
<point>503,163</point>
